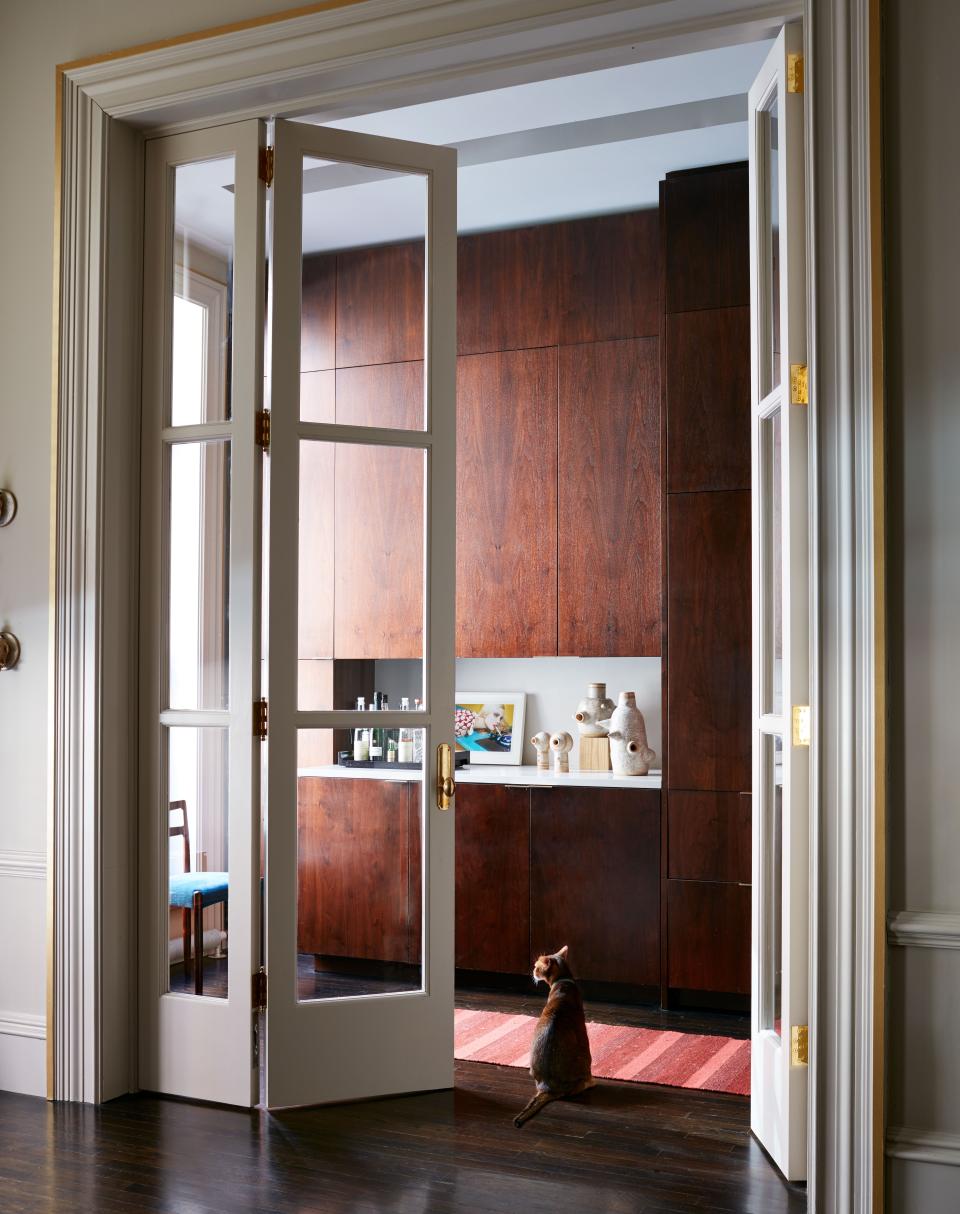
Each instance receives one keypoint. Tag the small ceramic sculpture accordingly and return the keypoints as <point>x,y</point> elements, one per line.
<point>541,743</point>
<point>561,744</point>
<point>593,711</point>
<point>629,753</point>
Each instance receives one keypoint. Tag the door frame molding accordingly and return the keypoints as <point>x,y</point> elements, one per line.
<point>330,60</point>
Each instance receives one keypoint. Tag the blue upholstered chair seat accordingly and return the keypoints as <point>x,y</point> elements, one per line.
<point>213,887</point>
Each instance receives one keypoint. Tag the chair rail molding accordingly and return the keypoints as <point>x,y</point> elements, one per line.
<point>23,864</point>
<point>22,1024</point>
<point>329,63</point>
<point>924,929</point>
<point>923,1146</point>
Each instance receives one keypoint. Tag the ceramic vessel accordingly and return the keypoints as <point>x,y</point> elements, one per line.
<point>629,753</point>
<point>561,744</point>
<point>593,711</point>
<point>541,744</point>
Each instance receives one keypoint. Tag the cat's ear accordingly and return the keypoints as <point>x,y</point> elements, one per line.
<point>561,953</point>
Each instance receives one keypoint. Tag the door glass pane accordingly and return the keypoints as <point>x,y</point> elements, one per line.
<point>197,825</point>
<point>363,296</point>
<point>359,861</point>
<point>361,574</point>
<point>202,292</point>
<point>198,605</point>
<point>772,900</point>
<point>771,523</point>
<point>771,254</point>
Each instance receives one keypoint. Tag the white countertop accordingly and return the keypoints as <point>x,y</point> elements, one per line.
<point>490,773</point>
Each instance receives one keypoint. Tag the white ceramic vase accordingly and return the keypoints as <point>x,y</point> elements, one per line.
<point>593,711</point>
<point>629,753</point>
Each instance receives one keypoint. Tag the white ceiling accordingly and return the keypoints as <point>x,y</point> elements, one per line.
<point>549,150</point>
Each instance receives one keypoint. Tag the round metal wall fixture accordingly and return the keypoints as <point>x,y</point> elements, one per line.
<point>9,651</point>
<point>8,507</point>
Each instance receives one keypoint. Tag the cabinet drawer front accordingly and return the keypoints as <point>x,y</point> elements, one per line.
<point>708,936</point>
<point>709,836</point>
<point>594,878</point>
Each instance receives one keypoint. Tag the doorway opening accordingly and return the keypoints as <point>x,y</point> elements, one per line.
<point>586,329</point>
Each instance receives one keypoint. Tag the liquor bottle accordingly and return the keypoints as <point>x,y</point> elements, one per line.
<point>418,734</point>
<point>376,735</point>
<point>358,754</point>
<point>392,750</point>
<point>405,747</point>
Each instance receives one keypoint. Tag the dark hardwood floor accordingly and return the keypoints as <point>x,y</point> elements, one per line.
<point>619,1148</point>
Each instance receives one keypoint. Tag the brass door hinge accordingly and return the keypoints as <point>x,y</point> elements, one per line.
<point>799,384</point>
<point>259,990</point>
<point>262,426</point>
<point>801,724</point>
<point>798,1045</point>
<point>794,73</point>
<point>260,719</point>
<point>266,166</point>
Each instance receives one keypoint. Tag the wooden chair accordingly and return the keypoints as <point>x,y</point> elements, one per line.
<point>190,893</point>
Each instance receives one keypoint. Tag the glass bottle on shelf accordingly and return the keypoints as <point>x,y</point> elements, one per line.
<point>418,734</point>
<point>376,735</point>
<point>405,746</point>
<point>358,745</point>
<point>392,749</point>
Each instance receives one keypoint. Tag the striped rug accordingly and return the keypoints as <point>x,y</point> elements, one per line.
<point>677,1060</point>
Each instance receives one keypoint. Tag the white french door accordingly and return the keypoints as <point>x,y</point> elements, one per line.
<point>359,872</point>
<point>200,611</point>
<point>780,609</point>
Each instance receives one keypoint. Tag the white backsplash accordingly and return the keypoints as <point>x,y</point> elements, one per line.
<point>554,687</point>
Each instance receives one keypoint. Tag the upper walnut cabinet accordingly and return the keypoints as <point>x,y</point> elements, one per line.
<point>558,448</point>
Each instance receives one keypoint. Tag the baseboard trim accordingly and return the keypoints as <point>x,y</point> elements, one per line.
<point>23,1024</point>
<point>924,929</point>
<point>23,864</point>
<point>923,1146</point>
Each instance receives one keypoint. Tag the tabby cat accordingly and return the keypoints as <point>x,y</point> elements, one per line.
<point>560,1058</point>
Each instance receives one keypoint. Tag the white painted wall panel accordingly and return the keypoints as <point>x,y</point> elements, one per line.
<point>34,38</point>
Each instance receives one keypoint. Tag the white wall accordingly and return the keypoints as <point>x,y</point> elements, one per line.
<point>923,339</point>
<point>34,38</point>
<point>554,688</point>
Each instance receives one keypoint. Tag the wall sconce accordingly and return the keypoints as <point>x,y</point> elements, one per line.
<point>8,507</point>
<point>9,651</point>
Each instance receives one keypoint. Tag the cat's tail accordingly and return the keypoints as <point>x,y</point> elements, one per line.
<point>533,1107</point>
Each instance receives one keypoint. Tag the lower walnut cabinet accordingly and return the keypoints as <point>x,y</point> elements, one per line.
<point>543,867</point>
<point>493,878</point>
<point>358,869</point>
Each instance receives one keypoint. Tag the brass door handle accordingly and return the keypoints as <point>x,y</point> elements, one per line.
<point>446,786</point>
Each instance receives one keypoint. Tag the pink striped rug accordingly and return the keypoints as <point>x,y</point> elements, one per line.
<point>677,1060</point>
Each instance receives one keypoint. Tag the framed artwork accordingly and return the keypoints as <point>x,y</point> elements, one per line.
<point>489,724</point>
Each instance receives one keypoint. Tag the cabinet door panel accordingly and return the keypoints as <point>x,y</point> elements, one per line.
<point>385,394</point>
<point>380,301</point>
<point>507,290</point>
<point>609,272</point>
<point>706,230</point>
<point>507,504</point>
<point>379,567</point>
<point>318,312</point>
<point>708,672</point>
<point>609,501</point>
<point>709,836</point>
<point>708,400</point>
<point>354,865</point>
<point>493,878</point>
<point>708,930</point>
<point>595,881</point>
<point>316,552</point>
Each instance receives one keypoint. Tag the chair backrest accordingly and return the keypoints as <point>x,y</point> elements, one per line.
<point>182,829</point>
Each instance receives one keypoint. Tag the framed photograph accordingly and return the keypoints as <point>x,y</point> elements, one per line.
<point>489,725</point>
